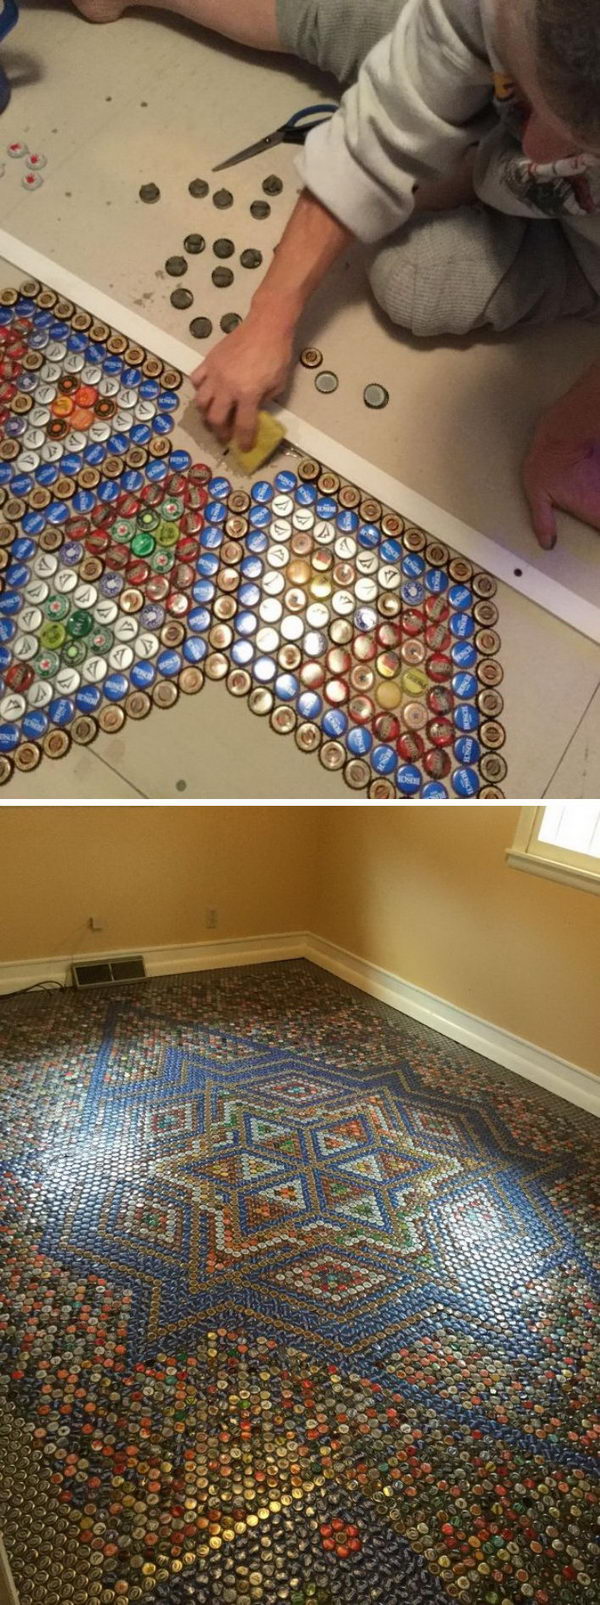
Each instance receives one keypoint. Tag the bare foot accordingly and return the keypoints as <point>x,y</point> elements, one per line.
<point>101,10</point>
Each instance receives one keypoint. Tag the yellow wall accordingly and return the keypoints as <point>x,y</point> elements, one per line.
<point>150,874</point>
<point>424,892</point>
<point>427,894</point>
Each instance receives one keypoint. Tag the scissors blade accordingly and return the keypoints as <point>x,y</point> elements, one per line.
<point>251,150</point>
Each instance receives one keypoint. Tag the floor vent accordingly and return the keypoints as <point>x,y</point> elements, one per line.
<point>106,972</point>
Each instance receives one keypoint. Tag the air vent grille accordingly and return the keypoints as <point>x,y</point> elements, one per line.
<point>106,972</point>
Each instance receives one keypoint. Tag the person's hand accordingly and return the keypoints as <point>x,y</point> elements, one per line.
<point>562,466</point>
<point>245,369</point>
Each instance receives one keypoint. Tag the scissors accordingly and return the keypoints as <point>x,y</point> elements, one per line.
<point>293,132</point>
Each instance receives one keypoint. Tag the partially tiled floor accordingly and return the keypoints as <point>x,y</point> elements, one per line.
<point>298,1305</point>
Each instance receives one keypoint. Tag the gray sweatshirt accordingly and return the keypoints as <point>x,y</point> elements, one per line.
<point>431,88</point>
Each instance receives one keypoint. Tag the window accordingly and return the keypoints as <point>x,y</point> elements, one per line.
<point>561,840</point>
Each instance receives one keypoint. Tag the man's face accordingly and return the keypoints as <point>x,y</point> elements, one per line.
<point>546,137</point>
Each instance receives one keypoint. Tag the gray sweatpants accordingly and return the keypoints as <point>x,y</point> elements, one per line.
<point>445,273</point>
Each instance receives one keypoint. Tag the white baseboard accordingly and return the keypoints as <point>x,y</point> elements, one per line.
<point>502,1047</point>
<point>170,960</point>
<point>566,1080</point>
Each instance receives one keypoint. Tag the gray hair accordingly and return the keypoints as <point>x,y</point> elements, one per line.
<point>567,40</point>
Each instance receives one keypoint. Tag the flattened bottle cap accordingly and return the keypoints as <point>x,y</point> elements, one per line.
<point>490,703</point>
<point>260,701</point>
<point>6,769</point>
<point>84,729</point>
<point>492,734</point>
<point>191,680</point>
<point>490,672</point>
<point>487,642</point>
<point>491,792</point>
<point>283,720</point>
<point>27,756</point>
<point>111,719</point>
<point>484,585</point>
<point>56,743</point>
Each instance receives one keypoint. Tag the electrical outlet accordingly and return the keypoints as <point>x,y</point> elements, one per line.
<point>212,919</point>
<point>95,924</point>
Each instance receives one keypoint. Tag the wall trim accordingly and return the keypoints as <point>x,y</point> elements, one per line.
<point>526,1059</point>
<point>169,960</point>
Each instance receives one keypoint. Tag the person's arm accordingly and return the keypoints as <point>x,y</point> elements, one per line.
<point>251,365</point>
<point>562,466</point>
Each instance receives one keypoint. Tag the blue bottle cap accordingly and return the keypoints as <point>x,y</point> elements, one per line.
<point>326,507</point>
<point>83,501</point>
<point>72,463</point>
<point>179,461</point>
<point>168,400</point>
<point>149,390</point>
<point>117,445</point>
<point>211,537</point>
<point>61,711</point>
<point>285,481</point>
<point>71,553</point>
<point>383,760</point>
<point>207,564</point>
<point>109,490</point>
<point>462,625</point>
<point>466,717</point>
<point>408,780</point>
<point>11,603</point>
<point>5,658</point>
<point>465,782</point>
<point>249,595</point>
<point>467,750</point>
<point>17,574</point>
<point>132,479</point>
<point>140,434</point>
<point>132,377</point>
<point>436,580</point>
<point>10,736</point>
<point>23,548</point>
<point>35,724</point>
<point>434,790</point>
<point>143,674</point>
<point>33,523</point>
<point>194,649</point>
<point>116,687</point>
<point>94,454</point>
<point>464,685</point>
<point>242,653</point>
<point>335,723</point>
<point>347,521</point>
<point>460,597</point>
<point>412,592</point>
<point>203,591</point>
<point>162,423</point>
<point>413,565</point>
<point>219,487</point>
<point>7,630</point>
<point>215,512</point>
<point>369,536</point>
<point>286,687</point>
<point>246,622</point>
<point>259,517</point>
<point>359,741</point>
<point>168,663</point>
<point>262,491</point>
<point>21,485</point>
<point>111,584</point>
<point>198,620</point>
<point>391,551</point>
<point>251,567</point>
<point>306,494</point>
<point>256,541</point>
<point>463,654</point>
<point>88,698</point>
<point>157,469</point>
<point>309,705</point>
<point>152,616</point>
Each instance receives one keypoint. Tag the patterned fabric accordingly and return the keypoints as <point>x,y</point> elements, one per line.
<point>299,1305</point>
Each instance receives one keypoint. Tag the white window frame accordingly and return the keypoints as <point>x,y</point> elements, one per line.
<point>542,858</point>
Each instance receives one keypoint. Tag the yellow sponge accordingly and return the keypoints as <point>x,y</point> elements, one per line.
<point>268,436</point>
